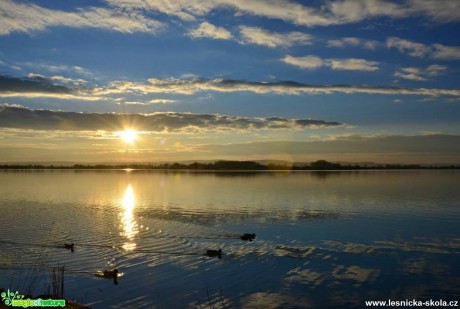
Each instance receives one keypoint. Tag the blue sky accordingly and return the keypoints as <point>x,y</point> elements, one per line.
<point>348,80</point>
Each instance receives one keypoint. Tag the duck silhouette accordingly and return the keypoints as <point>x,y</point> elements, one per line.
<point>111,274</point>
<point>248,237</point>
<point>212,253</point>
<point>69,246</point>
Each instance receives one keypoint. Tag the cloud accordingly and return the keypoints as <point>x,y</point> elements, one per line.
<point>150,102</point>
<point>207,30</point>
<point>409,76</point>
<point>449,11</point>
<point>161,101</point>
<point>405,46</point>
<point>44,87</point>
<point>331,13</point>
<point>419,74</point>
<point>54,69</point>
<point>253,35</point>
<point>313,62</point>
<point>353,64</point>
<point>129,16</point>
<point>436,51</point>
<point>306,62</point>
<point>436,69</point>
<point>348,11</point>
<point>24,17</point>
<point>446,52</point>
<point>190,9</point>
<point>16,116</point>
<point>40,86</point>
<point>57,78</point>
<point>353,42</point>
<point>344,42</point>
<point>188,87</point>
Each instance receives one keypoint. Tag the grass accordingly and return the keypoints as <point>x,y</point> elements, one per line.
<point>54,290</point>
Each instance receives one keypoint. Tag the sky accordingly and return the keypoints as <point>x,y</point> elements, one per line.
<point>158,80</point>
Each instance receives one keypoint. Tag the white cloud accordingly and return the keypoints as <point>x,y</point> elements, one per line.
<point>16,87</point>
<point>306,62</point>
<point>253,35</point>
<point>405,46</point>
<point>23,17</point>
<point>55,68</point>
<point>353,64</point>
<point>62,96</point>
<point>207,30</point>
<point>190,9</point>
<point>344,42</point>
<point>370,44</point>
<point>128,16</point>
<point>411,70</point>
<point>57,78</point>
<point>440,11</point>
<point>161,101</point>
<point>436,51</point>
<point>436,69</point>
<point>356,10</point>
<point>150,102</point>
<point>313,62</point>
<point>189,87</point>
<point>410,76</point>
<point>446,52</point>
<point>353,42</point>
<point>330,13</point>
<point>420,74</point>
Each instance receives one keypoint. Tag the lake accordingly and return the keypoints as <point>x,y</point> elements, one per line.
<point>323,239</point>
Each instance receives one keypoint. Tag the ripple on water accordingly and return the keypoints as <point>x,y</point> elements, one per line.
<point>318,239</point>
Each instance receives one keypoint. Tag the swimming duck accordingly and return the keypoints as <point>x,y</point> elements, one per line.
<point>69,246</point>
<point>248,237</point>
<point>112,274</point>
<point>212,253</point>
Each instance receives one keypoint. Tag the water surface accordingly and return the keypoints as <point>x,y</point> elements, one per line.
<point>324,239</point>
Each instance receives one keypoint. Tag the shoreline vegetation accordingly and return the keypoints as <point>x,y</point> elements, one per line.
<point>321,165</point>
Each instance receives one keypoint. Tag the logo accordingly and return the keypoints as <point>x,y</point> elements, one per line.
<point>17,300</point>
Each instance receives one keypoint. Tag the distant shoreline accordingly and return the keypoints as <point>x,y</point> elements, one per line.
<point>235,166</point>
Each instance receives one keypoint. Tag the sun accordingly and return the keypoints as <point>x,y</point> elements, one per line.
<point>128,136</point>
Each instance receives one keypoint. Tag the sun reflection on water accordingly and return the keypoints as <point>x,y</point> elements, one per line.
<point>128,223</point>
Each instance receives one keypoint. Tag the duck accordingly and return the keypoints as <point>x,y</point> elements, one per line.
<point>212,253</point>
<point>69,246</point>
<point>111,274</point>
<point>248,237</point>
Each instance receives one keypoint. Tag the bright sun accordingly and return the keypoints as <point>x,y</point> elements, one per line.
<point>128,136</point>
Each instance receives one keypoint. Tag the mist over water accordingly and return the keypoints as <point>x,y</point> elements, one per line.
<point>324,239</point>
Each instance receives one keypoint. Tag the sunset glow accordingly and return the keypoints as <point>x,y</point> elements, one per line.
<point>284,80</point>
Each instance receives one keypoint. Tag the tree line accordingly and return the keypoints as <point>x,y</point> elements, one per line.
<point>233,166</point>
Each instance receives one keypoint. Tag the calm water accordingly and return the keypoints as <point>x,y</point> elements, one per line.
<point>323,239</point>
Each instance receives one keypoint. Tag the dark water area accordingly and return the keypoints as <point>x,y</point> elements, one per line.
<point>324,239</point>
